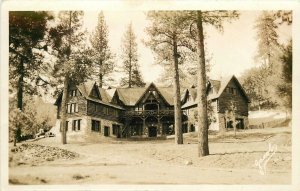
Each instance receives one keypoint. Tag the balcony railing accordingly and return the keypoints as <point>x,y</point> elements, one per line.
<point>148,113</point>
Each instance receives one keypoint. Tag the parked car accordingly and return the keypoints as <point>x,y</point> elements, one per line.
<point>41,133</point>
<point>49,134</point>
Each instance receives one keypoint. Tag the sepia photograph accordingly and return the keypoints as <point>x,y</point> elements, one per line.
<point>149,97</point>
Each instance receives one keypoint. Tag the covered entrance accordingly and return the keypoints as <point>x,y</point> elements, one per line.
<point>152,131</point>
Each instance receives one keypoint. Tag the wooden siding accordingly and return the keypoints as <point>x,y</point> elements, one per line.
<point>152,98</point>
<point>95,109</point>
<point>240,101</point>
<point>79,100</point>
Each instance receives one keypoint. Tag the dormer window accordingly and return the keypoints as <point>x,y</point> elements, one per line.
<point>231,90</point>
<point>152,91</point>
<point>189,97</point>
<point>74,93</point>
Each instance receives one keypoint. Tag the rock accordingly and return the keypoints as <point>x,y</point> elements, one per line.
<point>49,159</point>
<point>188,162</point>
<point>15,149</point>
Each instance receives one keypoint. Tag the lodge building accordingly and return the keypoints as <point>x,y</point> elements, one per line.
<point>144,111</point>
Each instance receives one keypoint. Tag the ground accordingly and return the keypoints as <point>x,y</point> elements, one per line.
<point>115,161</point>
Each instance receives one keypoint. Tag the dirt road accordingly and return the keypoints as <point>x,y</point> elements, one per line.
<point>231,161</point>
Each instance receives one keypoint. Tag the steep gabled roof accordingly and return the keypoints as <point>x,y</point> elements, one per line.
<point>218,88</point>
<point>223,85</point>
<point>86,88</point>
<point>111,93</point>
<point>167,94</point>
<point>131,96</point>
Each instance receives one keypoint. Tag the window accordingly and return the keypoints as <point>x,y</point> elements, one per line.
<point>76,107</point>
<point>74,93</point>
<point>98,108</point>
<point>96,126</point>
<point>231,90</point>
<point>76,125</point>
<point>72,108</point>
<point>188,98</point>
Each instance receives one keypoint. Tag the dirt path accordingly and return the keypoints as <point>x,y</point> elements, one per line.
<point>231,161</point>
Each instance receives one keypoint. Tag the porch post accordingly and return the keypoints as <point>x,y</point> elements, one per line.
<point>144,127</point>
<point>159,127</point>
<point>189,126</point>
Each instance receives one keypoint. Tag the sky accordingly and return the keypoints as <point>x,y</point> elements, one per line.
<point>232,51</point>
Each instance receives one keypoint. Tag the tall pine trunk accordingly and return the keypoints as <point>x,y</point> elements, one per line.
<point>101,74</point>
<point>201,92</point>
<point>64,110</point>
<point>130,71</point>
<point>20,86</point>
<point>20,97</point>
<point>177,103</point>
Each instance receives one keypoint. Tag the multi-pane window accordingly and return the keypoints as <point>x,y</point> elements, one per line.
<point>96,126</point>
<point>231,90</point>
<point>98,107</point>
<point>74,93</point>
<point>76,125</point>
<point>72,108</point>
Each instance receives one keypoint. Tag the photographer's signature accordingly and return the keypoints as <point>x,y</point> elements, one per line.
<point>262,163</point>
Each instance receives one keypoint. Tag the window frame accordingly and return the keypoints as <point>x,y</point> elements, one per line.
<point>96,126</point>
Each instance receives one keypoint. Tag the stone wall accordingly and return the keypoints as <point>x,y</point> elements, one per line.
<point>85,134</point>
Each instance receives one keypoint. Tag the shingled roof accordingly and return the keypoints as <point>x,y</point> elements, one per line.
<point>218,88</point>
<point>131,96</point>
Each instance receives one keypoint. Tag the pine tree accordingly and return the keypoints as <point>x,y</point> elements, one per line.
<point>268,55</point>
<point>130,60</point>
<point>102,55</point>
<point>198,19</point>
<point>268,46</point>
<point>27,30</point>
<point>73,64</point>
<point>27,43</point>
<point>168,39</point>
<point>285,88</point>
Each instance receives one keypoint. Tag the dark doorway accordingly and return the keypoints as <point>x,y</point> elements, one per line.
<point>229,124</point>
<point>240,124</point>
<point>116,130</point>
<point>152,131</point>
<point>192,128</point>
<point>106,131</point>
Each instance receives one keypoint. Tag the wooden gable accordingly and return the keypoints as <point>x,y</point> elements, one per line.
<point>151,94</point>
<point>116,99</point>
<point>233,93</point>
<point>95,92</point>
